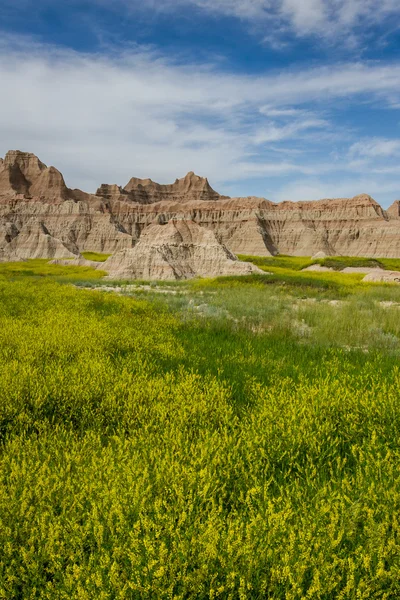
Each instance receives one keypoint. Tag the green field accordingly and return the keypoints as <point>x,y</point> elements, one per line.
<point>296,263</point>
<point>236,438</point>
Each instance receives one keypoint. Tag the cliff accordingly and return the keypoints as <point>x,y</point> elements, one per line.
<point>34,198</point>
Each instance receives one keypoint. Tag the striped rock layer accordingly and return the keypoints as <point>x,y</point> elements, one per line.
<point>41,217</point>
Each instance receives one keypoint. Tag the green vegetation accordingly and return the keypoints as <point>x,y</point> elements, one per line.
<point>229,438</point>
<point>341,262</point>
<point>96,256</point>
<point>287,270</point>
<point>39,268</point>
<point>297,263</point>
<point>309,283</point>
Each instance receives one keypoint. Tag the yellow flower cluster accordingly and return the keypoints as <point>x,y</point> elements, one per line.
<point>149,453</point>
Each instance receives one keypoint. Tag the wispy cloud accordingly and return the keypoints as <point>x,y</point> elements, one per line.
<point>347,186</point>
<point>104,119</point>
<point>375,148</point>
<point>339,22</point>
<point>276,133</point>
<point>281,113</point>
<point>336,21</point>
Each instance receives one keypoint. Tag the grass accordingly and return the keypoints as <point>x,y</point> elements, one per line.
<point>288,271</point>
<point>96,256</point>
<point>297,263</point>
<point>232,438</point>
<point>40,268</point>
<point>341,262</point>
<point>294,263</point>
<point>308,283</point>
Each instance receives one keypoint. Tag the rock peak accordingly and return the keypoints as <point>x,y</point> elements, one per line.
<point>22,173</point>
<point>28,163</point>
<point>394,209</point>
<point>23,160</point>
<point>364,198</point>
<point>117,218</point>
<point>191,187</point>
<point>50,185</point>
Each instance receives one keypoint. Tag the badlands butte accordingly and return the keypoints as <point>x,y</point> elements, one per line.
<point>177,230</point>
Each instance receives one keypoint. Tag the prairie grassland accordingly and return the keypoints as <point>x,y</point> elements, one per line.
<point>233,438</point>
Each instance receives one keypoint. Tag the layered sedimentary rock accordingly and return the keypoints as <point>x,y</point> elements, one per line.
<point>394,210</point>
<point>189,188</point>
<point>180,249</point>
<point>34,241</point>
<point>347,226</point>
<point>115,217</point>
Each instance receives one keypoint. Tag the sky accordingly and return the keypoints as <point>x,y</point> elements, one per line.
<point>283,99</point>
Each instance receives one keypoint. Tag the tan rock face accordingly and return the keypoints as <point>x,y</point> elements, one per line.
<point>23,173</point>
<point>381,276</point>
<point>115,217</point>
<point>50,185</point>
<point>189,188</point>
<point>394,210</point>
<point>12,181</point>
<point>34,241</point>
<point>178,250</point>
<point>29,164</point>
<point>8,232</point>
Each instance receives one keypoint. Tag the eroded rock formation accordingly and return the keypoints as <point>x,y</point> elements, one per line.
<point>180,249</point>
<point>381,276</point>
<point>114,218</point>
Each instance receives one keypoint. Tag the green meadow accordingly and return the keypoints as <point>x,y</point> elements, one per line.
<point>235,438</point>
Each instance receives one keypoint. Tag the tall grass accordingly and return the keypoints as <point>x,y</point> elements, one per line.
<point>232,440</point>
<point>40,268</point>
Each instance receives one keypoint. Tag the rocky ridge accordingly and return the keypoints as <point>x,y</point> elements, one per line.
<point>35,202</point>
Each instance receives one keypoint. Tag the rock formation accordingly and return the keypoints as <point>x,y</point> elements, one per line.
<point>381,276</point>
<point>178,250</point>
<point>114,217</point>
<point>394,210</point>
<point>189,188</point>
<point>34,241</point>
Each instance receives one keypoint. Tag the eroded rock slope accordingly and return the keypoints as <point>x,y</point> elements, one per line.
<point>35,201</point>
<point>181,249</point>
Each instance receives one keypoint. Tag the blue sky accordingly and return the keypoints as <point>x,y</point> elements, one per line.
<point>275,98</point>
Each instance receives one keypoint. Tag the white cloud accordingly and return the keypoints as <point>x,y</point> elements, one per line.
<point>270,111</point>
<point>339,21</point>
<point>305,17</point>
<point>345,187</point>
<point>274,133</point>
<point>376,148</point>
<point>103,119</point>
